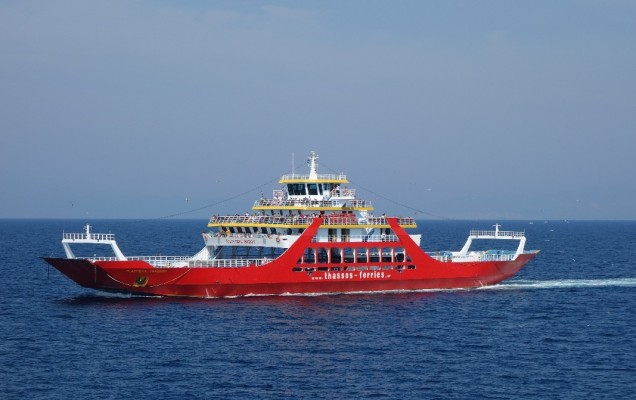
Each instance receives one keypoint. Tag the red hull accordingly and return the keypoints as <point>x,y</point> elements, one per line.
<point>286,276</point>
<point>141,278</point>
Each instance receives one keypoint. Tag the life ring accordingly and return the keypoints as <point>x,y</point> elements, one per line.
<point>141,281</point>
<point>277,239</point>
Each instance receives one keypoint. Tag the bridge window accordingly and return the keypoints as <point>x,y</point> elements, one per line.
<point>312,189</point>
<point>296,189</point>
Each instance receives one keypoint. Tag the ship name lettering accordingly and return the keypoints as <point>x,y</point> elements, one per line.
<point>349,275</point>
<point>240,241</point>
<point>372,275</point>
<point>338,275</point>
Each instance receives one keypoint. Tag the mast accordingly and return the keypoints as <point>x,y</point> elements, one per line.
<point>313,165</point>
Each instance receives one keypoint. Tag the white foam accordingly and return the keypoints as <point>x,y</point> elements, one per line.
<point>563,283</point>
<point>119,295</point>
<point>510,285</point>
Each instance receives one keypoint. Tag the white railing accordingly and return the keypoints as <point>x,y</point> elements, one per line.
<point>179,261</point>
<point>99,258</point>
<point>228,235</point>
<point>261,219</point>
<point>358,203</point>
<point>153,260</point>
<point>448,256</point>
<point>339,177</point>
<point>307,203</point>
<point>498,257</point>
<point>356,238</point>
<point>302,220</point>
<point>229,262</point>
<point>335,193</point>
<point>92,236</point>
<point>494,234</point>
<point>343,193</point>
<point>160,260</point>
<point>382,221</point>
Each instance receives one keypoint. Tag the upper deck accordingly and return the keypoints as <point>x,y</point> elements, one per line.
<point>306,197</point>
<point>312,205</point>
<point>317,178</point>
<point>346,221</point>
<point>313,176</point>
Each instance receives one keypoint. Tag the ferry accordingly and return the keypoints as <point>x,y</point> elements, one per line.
<point>314,235</point>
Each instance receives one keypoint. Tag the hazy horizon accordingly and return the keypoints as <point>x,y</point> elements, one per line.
<point>489,110</point>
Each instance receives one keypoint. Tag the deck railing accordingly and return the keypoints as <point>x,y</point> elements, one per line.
<point>178,261</point>
<point>92,236</point>
<point>501,234</point>
<point>489,257</point>
<point>473,256</point>
<point>229,263</point>
<point>312,203</point>
<point>356,238</point>
<point>303,221</point>
<point>331,177</point>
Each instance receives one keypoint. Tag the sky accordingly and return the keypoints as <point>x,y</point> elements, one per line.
<point>434,109</point>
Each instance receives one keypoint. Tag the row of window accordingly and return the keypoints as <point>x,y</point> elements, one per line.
<point>262,230</point>
<point>332,234</point>
<point>313,189</point>
<point>351,269</point>
<point>350,255</point>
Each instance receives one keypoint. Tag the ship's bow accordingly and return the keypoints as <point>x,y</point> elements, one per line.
<point>82,272</point>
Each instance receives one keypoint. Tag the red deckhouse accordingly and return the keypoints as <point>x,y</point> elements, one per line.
<point>313,236</point>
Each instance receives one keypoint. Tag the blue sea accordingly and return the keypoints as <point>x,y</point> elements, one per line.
<point>563,328</point>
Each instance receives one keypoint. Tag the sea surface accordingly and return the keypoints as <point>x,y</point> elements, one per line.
<point>563,328</point>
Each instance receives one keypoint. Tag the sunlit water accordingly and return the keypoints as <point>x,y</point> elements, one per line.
<point>564,327</point>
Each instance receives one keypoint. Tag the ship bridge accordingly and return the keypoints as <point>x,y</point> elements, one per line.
<point>315,187</point>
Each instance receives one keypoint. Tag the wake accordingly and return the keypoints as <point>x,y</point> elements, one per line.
<point>563,284</point>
